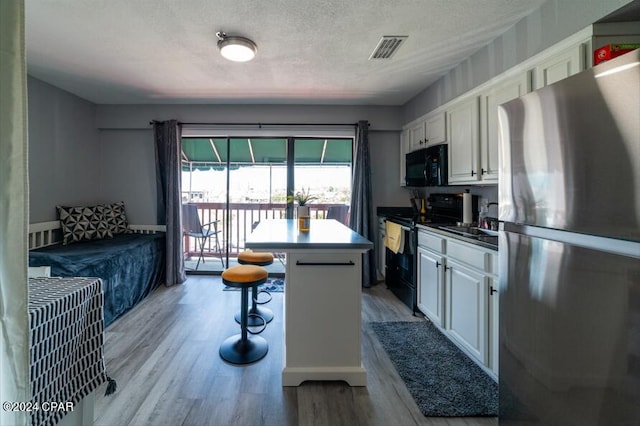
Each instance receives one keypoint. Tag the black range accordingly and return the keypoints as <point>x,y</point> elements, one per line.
<point>401,266</point>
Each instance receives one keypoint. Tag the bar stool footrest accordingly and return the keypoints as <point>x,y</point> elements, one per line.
<point>264,302</point>
<point>264,313</point>
<point>262,323</point>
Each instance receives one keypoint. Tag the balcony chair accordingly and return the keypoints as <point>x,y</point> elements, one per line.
<point>192,227</point>
<point>339,213</point>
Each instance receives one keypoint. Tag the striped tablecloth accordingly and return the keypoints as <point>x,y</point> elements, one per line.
<point>66,342</point>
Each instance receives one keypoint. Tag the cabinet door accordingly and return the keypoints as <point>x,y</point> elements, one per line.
<point>559,66</point>
<point>467,309</point>
<point>463,137</point>
<point>431,286</point>
<point>404,149</point>
<point>489,147</point>
<point>494,327</point>
<point>416,136</point>
<point>436,129</point>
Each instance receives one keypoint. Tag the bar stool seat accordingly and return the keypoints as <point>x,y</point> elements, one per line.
<point>258,258</point>
<point>251,257</point>
<point>242,348</point>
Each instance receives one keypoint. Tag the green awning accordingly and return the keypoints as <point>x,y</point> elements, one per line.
<point>205,153</point>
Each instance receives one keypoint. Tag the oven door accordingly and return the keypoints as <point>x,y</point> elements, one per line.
<point>400,271</point>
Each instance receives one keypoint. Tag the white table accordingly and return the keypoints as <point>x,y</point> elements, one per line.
<point>322,298</point>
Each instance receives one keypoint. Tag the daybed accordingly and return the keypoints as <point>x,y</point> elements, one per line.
<point>131,264</point>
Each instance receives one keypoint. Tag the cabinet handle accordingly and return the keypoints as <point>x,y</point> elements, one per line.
<point>483,171</point>
<point>493,290</point>
<point>438,264</point>
<point>446,268</point>
<point>349,263</point>
<point>473,173</point>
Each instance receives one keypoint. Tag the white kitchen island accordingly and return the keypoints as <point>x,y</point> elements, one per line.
<point>322,298</point>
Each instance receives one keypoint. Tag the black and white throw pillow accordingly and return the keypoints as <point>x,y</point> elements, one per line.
<point>83,223</point>
<point>116,218</point>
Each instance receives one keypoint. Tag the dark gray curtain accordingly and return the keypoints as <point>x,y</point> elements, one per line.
<point>167,137</point>
<point>361,220</point>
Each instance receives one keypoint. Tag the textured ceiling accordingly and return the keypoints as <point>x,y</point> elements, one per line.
<point>309,51</point>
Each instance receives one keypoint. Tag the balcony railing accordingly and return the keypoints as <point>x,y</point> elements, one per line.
<point>243,218</point>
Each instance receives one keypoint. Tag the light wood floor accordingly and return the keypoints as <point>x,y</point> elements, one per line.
<point>164,356</point>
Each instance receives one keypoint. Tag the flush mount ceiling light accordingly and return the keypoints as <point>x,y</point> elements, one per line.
<point>234,48</point>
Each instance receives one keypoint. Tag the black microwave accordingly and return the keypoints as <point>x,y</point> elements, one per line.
<point>427,166</point>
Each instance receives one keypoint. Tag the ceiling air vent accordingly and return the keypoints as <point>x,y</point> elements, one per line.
<point>387,47</point>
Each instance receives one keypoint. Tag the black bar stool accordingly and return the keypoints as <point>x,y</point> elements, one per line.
<point>249,257</point>
<point>242,348</point>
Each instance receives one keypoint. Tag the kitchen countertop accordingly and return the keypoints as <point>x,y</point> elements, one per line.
<point>489,242</point>
<point>283,234</point>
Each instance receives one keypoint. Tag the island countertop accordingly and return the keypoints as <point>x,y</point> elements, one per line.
<point>283,234</point>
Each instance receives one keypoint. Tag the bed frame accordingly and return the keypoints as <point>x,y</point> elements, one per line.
<point>43,234</point>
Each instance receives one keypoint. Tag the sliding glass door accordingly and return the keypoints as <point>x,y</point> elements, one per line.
<point>322,167</point>
<point>237,182</point>
<point>257,188</point>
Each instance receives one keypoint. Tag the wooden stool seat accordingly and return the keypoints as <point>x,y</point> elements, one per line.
<point>242,348</point>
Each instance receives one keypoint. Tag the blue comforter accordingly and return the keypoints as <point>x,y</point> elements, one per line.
<point>130,265</point>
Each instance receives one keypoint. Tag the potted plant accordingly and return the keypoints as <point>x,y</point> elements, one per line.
<point>302,198</point>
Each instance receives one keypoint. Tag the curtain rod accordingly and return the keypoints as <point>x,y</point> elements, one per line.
<point>263,124</point>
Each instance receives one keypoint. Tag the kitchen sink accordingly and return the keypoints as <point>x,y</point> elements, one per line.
<point>470,231</point>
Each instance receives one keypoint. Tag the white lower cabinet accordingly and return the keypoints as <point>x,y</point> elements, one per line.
<point>431,288</point>
<point>467,308</point>
<point>456,292</point>
<point>494,327</point>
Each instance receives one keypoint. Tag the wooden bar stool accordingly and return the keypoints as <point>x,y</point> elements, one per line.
<point>242,348</point>
<point>250,257</point>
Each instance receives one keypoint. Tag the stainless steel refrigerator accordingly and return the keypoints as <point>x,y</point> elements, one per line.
<point>570,250</point>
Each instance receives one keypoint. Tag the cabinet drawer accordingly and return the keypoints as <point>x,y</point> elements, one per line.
<point>471,256</point>
<point>431,241</point>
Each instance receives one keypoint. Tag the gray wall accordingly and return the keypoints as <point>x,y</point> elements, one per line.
<point>382,118</point>
<point>64,153</point>
<point>83,154</point>
<point>553,22</point>
<point>127,140</point>
<point>128,172</point>
<point>385,170</point>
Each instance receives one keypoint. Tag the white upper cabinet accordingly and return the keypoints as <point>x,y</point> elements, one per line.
<point>435,128</point>
<point>427,130</point>
<point>404,149</point>
<point>560,65</point>
<point>464,135</point>
<point>417,137</point>
<point>469,125</point>
<point>500,93</point>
